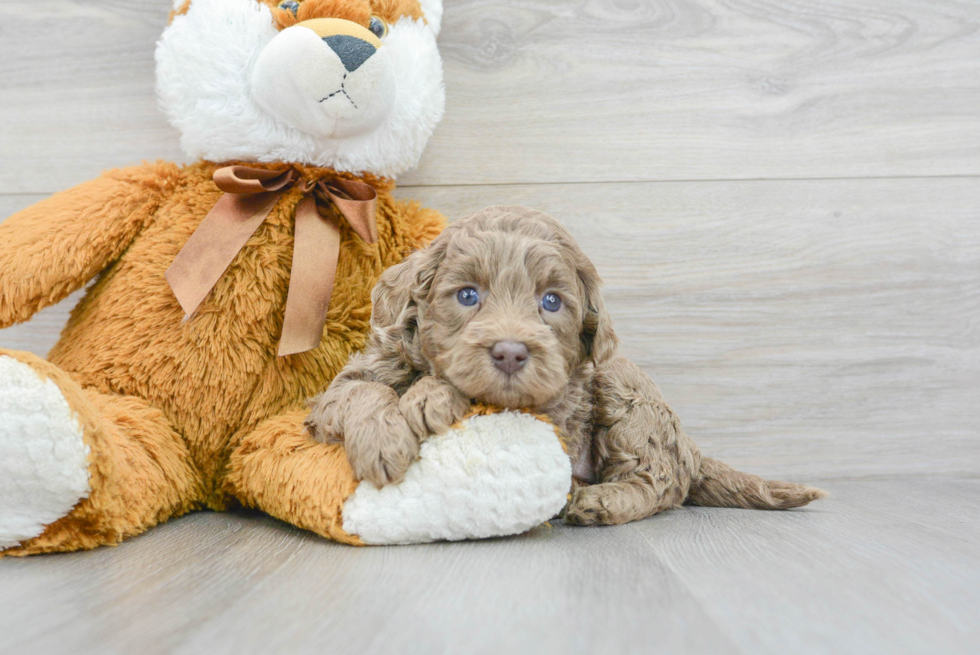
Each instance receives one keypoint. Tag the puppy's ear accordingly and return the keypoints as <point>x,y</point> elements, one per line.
<point>599,341</point>
<point>400,297</point>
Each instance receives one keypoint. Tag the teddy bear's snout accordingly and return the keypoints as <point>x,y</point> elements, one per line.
<point>328,77</point>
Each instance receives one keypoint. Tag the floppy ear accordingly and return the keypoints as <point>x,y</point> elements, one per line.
<point>433,14</point>
<point>400,297</point>
<point>599,341</point>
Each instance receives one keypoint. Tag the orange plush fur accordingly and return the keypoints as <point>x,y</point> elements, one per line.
<point>183,415</point>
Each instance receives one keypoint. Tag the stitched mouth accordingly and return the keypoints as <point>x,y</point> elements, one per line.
<point>339,91</point>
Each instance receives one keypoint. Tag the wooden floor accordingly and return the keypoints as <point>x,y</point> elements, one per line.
<point>888,566</point>
<point>784,200</point>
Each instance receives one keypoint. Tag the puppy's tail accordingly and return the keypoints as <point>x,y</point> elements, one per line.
<point>719,485</point>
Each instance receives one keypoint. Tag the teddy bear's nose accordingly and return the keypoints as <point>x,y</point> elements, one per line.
<point>352,51</point>
<point>509,356</point>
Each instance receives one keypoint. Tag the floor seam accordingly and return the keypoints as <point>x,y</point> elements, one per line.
<point>722,628</point>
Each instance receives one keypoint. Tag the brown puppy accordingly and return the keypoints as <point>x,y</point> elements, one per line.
<point>504,308</point>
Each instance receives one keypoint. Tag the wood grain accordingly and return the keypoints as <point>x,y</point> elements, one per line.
<point>552,91</point>
<point>233,580</point>
<point>78,91</point>
<point>879,567</point>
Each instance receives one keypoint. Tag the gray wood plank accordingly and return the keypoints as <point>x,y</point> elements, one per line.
<point>556,92</point>
<point>885,566</point>
<point>880,567</point>
<point>78,91</point>
<point>800,329</point>
<point>542,593</point>
<point>221,583</point>
<point>707,89</point>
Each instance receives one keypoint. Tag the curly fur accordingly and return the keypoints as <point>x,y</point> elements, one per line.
<point>427,350</point>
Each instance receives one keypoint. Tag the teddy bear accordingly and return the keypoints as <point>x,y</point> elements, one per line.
<point>225,292</point>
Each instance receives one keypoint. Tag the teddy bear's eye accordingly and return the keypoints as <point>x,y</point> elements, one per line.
<point>378,26</point>
<point>468,296</point>
<point>551,302</point>
<point>290,5</point>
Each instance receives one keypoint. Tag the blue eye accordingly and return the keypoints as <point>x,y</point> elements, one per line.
<point>551,302</point>
<point>468,296</point>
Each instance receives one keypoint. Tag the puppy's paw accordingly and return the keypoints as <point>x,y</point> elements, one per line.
<point>380,444</point>
<point>326,418</point>
<point>432,406</point>
<point>590,506</point>
<point>364,416</point>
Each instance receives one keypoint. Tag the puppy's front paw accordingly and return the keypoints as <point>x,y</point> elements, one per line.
<point>589,506</point>
<point>432,406</point>
<point>326,418</point>
<point>379,443</point>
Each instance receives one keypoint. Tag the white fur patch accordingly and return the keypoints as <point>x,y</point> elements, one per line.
<point>302,81</point>
<point>43,459</point>
<point>204,64</point>
<point>497,475</point>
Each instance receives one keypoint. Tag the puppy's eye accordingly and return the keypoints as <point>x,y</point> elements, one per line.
<point>551,302</point>
<point>378,26</point>
<point>289,5</point>
<point>468,296</point>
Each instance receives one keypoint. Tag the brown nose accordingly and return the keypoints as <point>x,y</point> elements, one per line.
<point>509,356</point>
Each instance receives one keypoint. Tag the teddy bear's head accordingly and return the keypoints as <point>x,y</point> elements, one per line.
<point>354,85</point>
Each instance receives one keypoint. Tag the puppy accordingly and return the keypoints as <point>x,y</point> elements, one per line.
<point>504,308</point>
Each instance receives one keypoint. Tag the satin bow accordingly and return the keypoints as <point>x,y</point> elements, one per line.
<point>250,195</point>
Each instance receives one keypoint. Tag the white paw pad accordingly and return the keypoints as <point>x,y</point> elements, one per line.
<point>497,475</point>
<point>43,459</point>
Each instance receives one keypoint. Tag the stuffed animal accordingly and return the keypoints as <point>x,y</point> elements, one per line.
<point>228,291</point>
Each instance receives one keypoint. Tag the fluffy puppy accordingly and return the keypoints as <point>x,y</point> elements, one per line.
<point>504,308</point>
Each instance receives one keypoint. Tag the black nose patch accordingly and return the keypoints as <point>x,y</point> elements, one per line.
<point>352,51</point>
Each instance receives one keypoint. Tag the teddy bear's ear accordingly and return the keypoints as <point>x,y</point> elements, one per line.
<point>433,14</point>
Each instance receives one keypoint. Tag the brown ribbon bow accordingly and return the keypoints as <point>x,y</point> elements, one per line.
<point>250,195</point>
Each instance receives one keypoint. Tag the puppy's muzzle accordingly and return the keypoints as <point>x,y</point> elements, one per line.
<point>509,356</point>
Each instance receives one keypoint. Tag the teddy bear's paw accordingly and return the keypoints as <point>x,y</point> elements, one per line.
<point>43,458</point>
<point>495,475</point>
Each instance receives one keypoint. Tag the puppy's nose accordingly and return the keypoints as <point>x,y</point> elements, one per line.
<point>509,356</point>
<point>352,51</point>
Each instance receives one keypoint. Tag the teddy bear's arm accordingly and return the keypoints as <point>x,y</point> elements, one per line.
<point>56,246</point>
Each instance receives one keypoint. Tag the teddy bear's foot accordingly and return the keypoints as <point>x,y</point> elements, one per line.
<point>494,475</point>
<point>43,457</point>
<point>79,468</point>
